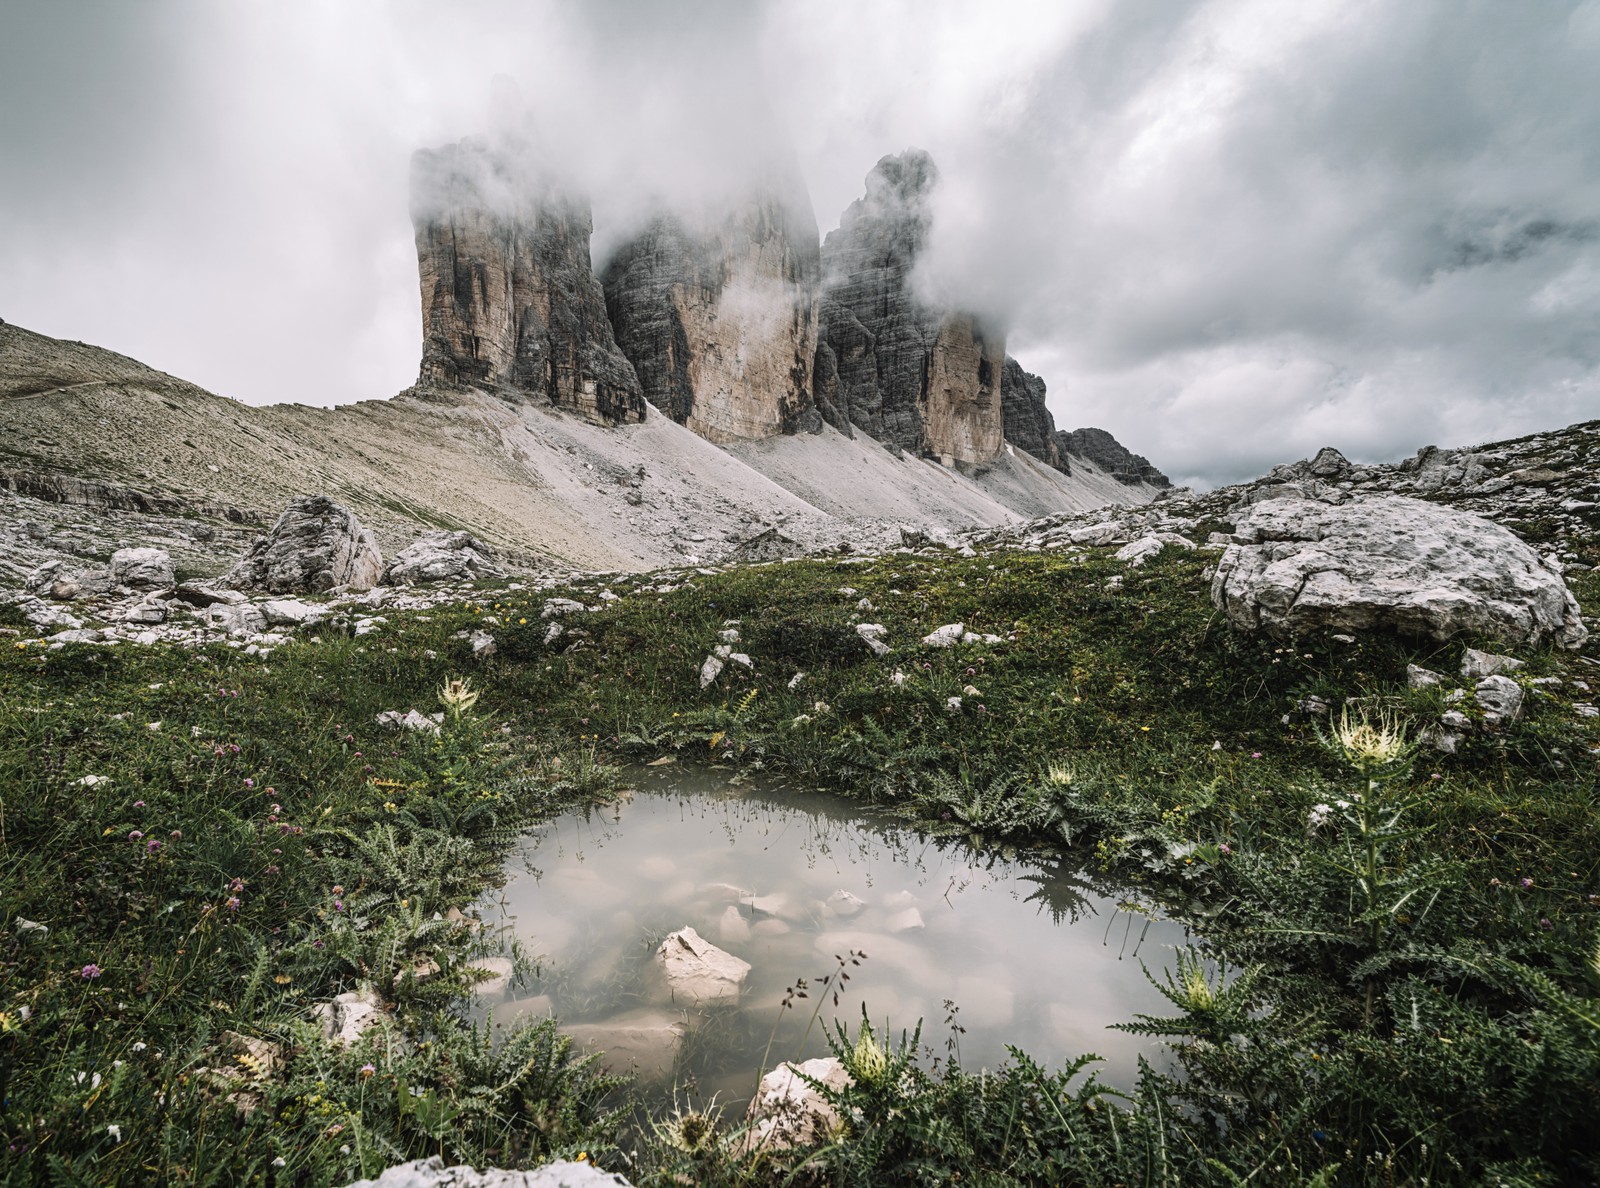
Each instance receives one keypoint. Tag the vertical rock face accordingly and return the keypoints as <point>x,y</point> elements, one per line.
<point>1109,454</point>
<point>509,298</point>
<point>913,377</point>
<point>1028,423</point>
<point>719,317</point>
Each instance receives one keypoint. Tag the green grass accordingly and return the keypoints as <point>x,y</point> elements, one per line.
<point>1438,1021</point>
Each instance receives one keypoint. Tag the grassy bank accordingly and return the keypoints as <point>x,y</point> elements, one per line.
<point>1409,989</point>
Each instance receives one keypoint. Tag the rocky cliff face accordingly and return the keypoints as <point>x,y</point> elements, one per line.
<point>1026,418</point>
<point>916,378</point>
<point>1110,455</point>
<point>509,298</point>
<point>719,318</point>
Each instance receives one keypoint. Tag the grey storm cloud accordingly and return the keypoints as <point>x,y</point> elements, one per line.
<point>1229,231</point>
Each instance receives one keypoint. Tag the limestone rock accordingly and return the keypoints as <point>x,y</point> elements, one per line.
<point>718,315</point>
<point>1026,418</point>
<point>789,1111</point>
<point>147,569</point>
<point>945,637</point>
<point>1110,455</point>
<point>315,545</point>
<point>914,377</point>
<point>1476,665</point>
<point>1147,547</point>
<point>1421,568</point>
<point>694,972</point>
<point>350,1015</point>
<point>1500,698</point>
<point>289,612</point>
<point>509,296</point>
<point>441,555</point>
<point>432,1173</point>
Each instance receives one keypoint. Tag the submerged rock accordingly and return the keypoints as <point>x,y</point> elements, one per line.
<point>643,1042</point>
<point>694,972</point>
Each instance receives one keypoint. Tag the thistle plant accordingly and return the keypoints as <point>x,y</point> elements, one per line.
<point>458,697</point>
<point>1377,748</point>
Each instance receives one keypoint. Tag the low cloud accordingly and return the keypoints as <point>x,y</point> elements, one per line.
<point>1229,231</point>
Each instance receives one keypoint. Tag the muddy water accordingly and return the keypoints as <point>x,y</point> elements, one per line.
<point>985,951</point>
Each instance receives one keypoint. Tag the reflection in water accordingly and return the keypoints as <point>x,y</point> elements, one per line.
<point>986,950</point>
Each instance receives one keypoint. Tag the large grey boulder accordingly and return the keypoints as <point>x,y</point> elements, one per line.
<point>432,1173</point>
<point>316,544</point>
<point>1389,561</point>
<point>142,569</point>
<point>441,555</point>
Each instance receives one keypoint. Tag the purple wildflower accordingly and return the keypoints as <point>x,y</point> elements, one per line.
<point>91,971</point>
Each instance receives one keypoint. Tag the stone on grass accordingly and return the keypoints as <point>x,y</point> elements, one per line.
<point>710,671</point>
<point>1418,677</point>
<point>1500,698</point>
<point>1147,547</point>
<point>945,637</point>
<point>1476,665</point>
<point>147,569</point>
<point>1385,561</point>
<point>348,1016</point>
<point>289,612</point>
<point>789,1110</point>
<point>872,635</point>
<point>694,972</point>
<point>432,1173</point>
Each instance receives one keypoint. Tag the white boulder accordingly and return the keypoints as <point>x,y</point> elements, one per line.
<point>1389,561</point>
<point>147,569</point>
<point>789,1110</point>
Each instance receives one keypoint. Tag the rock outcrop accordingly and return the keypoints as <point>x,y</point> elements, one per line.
<point>441,555</point>
<point>1026,418</point>
<point>315,545</point>
<point>915,378</point>
<point>1389,561</point>
<point>719,317</point>
<point>1110,455</point>
<point>509,296</point>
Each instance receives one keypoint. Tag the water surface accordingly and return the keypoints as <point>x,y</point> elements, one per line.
<point>986,951</point>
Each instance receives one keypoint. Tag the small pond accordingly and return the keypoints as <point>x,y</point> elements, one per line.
<point>788,881</point>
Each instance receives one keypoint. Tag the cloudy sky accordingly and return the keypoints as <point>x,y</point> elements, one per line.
<point>1229,231</point>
